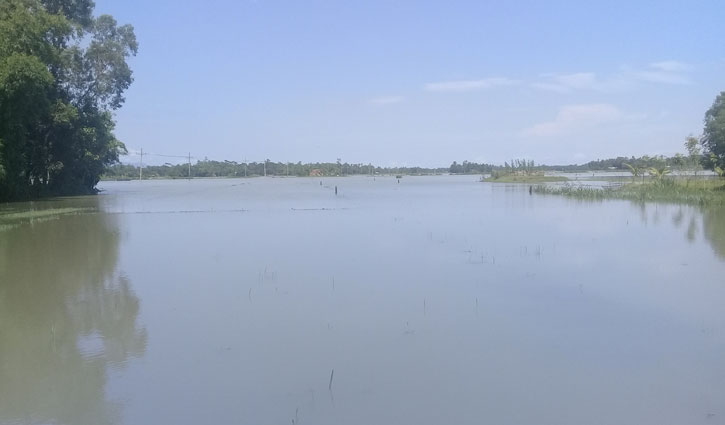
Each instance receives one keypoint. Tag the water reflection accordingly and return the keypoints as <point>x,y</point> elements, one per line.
<point>66,316</point>
<point>696,222</point>
<point>713,223</point>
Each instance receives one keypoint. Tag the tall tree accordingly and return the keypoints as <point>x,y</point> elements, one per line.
<point>62,73</point>
<point>713,138</point>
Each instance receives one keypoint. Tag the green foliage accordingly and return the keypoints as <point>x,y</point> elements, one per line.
<point>694,154</point>
<point>62,73</point>
<point>619,164</point>
<point>708,192</point>
<point>659,173</point>
<point>713,138</point>
<point>80,12</point>
<point>517,166</point>
<point>470,168</point>
<point>27,28</point>
<point>636,170</point>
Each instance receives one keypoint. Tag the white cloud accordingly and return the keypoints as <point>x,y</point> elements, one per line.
<point>575,118</point>
<point>664,72</point>
<point>671,66</point>
<point>469,85</point>
<point>579,80</point>
<point>551,87</point>
<point>386,100</point>
<point>565,83</point>
<point>663,77</point>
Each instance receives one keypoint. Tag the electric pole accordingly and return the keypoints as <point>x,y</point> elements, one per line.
<point>140,167</point>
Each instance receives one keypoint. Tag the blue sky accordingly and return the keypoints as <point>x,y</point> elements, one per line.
<point>419,82</point>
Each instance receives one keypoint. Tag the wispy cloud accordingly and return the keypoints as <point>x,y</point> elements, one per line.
<point>579,80</point>
<point>469,85</point>
<point>664,72</point>
<point>575,118</point>
<point>671,66</point>
<point>551,87</point>
<point>386,100</point>
<point>565,83</point>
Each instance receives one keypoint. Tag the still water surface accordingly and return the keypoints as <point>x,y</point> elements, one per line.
<point>436,300</point>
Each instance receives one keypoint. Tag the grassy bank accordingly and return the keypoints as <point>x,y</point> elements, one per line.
<point>535,178</point>
<point>679,191</point>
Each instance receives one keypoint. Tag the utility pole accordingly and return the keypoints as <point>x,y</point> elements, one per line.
<point>140,167</point>
<point>189,165</point>
<point>265,168</point>
<point>288,169</point>
<point>245,167</point>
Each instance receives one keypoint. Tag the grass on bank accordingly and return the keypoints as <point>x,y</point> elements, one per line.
<point>670,190</point>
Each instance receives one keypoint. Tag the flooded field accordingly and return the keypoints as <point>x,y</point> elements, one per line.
<point>435,300</point>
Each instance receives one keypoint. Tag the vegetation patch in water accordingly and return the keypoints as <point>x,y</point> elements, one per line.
<point>525,178</point>
<point>680,191</point>
<point>521,171</point>
<point>9,220</point>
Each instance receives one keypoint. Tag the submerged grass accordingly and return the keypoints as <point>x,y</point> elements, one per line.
<point>10,220</point>
<point>537,178</point>
<point>677,191</point>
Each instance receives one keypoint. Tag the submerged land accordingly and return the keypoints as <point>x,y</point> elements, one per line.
<point>672,190</point>
<point>677,179</point>
<point>425,297</point>
<point>534,178</point>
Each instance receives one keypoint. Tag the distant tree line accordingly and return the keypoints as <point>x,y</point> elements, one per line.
<point>209,168</point>
<point>212,168</point>
<point>692,161</point>
<point>62,74</point>
<point>467,167</point>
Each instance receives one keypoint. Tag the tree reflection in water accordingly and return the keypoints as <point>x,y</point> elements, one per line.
<point>66,316</point>
<point>713,223</point>
<point>710,219</point>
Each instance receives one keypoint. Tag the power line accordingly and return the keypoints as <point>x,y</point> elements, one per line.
<point>189,156</point>
<point>141,152</point>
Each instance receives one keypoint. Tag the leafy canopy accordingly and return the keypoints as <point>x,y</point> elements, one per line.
<point>713,138</point>
<point>62,73</point>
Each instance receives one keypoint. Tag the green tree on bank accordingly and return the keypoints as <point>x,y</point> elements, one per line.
<point>62,74</point>
<point>713,137</point>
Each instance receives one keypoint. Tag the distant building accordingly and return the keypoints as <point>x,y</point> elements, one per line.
<point>316,173</point>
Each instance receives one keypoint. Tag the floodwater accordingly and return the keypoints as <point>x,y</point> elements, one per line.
<point>436,300</point>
